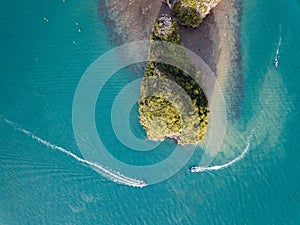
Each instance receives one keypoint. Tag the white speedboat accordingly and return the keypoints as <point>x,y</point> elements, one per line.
<point>196,169</point>
<point>193,169</point>
<point>276,62</point>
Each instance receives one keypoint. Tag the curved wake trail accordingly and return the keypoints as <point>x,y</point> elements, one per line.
<point>197,169</point>
<point>115,176</point>
<point>276,60</point>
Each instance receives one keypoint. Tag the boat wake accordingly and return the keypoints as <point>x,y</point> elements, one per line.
<point>276,60</point>
<point>112,175</point>
<point>197,169</point>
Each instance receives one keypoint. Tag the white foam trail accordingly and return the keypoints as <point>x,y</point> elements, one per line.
<point>276,60</point>
<point>197,169</point>
<point>113,175</point>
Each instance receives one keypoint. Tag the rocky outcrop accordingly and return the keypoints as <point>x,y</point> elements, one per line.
<point>192,12</point>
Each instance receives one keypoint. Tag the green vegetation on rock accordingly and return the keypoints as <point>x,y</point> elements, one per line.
<point>172,104</point>
<point>192,12</point>
<point>187,15</point>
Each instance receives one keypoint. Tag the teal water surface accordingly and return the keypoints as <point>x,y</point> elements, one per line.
<point>41,65</point>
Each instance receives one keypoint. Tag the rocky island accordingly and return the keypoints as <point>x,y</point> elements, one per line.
<point>160,117</point>
<point>215,40</point>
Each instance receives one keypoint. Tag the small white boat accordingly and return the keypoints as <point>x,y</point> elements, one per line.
<point>276,62</point>
<point>193,169</point>
<point>196,169</point>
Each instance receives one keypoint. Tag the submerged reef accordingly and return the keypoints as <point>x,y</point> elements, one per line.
<point>130,20</point>
<point>172,103</point>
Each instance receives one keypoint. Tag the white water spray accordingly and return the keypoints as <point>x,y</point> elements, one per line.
<point>113,175</point>
<point>196,169</point>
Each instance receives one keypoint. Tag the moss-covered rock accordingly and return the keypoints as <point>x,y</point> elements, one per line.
<point>192,12</point>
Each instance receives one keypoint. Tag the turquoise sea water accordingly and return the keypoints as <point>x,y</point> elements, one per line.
<point>41,65</point>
